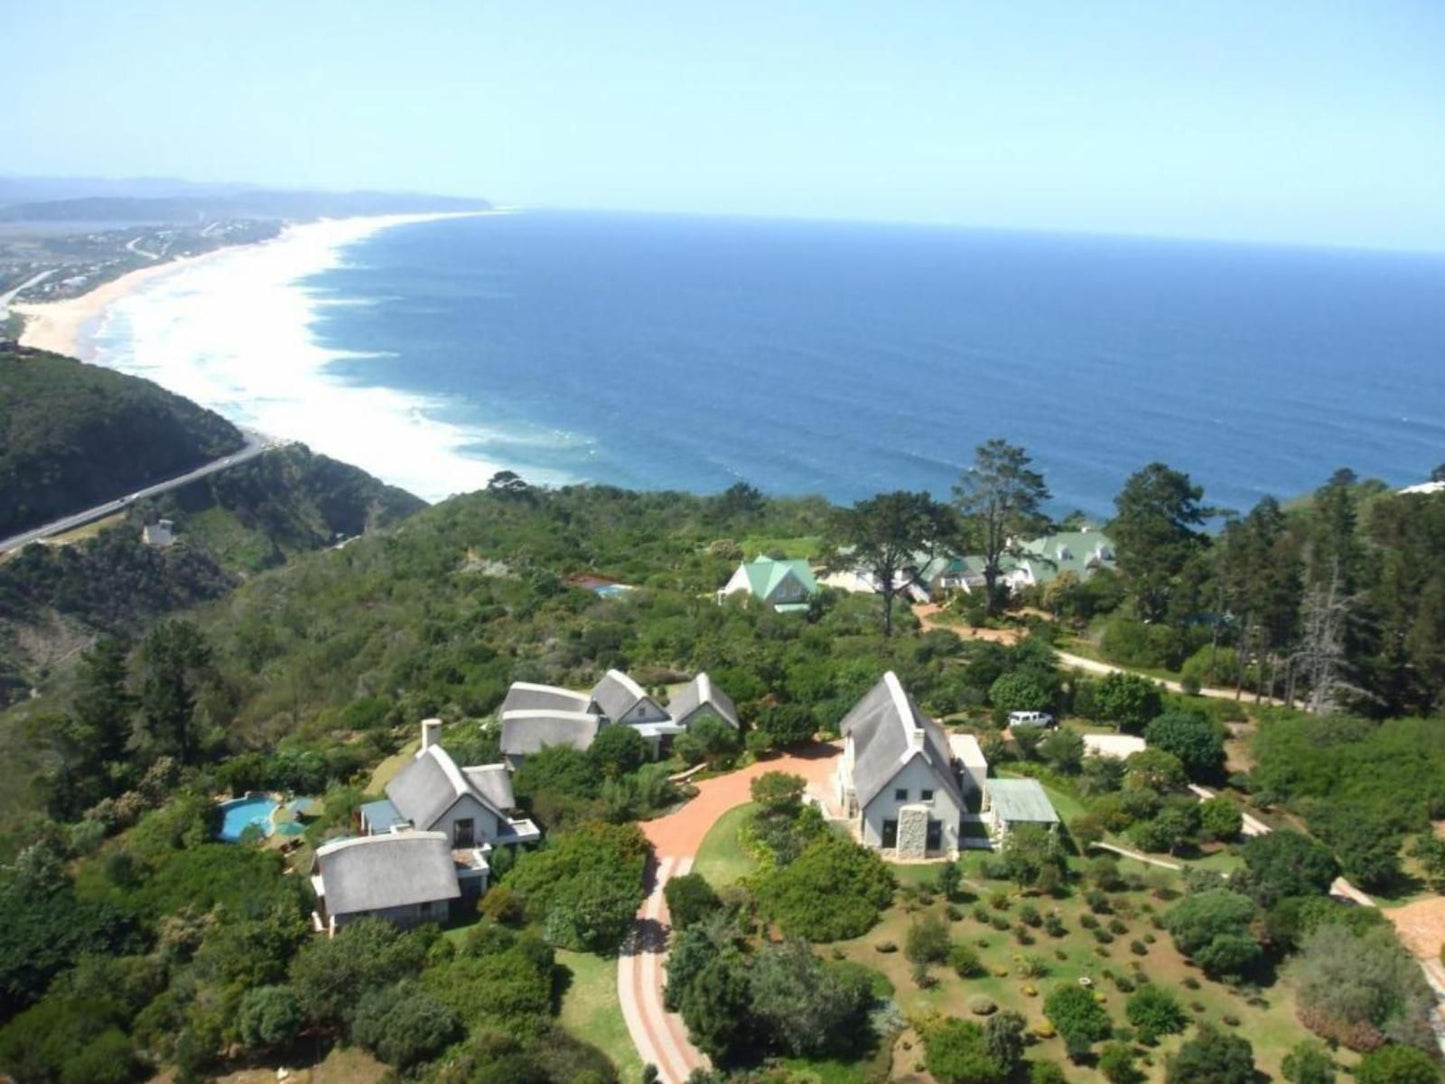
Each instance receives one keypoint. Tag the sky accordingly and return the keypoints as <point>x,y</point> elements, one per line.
<point>1295,121</point>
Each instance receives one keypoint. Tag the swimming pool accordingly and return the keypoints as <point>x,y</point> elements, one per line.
<point>240,813</point>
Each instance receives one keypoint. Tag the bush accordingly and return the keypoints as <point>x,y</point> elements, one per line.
<point>1128,700</point>
<point>404,1025</point>
<point>586,886</point>
<point>1397,1065</point>
<point>980,1005</point>
<point>1076,1015</point>
<point>1220,819</point>
<point>689,899</point>
<point>927,941</point>
<point>269,1016</point>
<point>501,905</point>
<point>1212,1057</point>
<point>1192,738</point>
<point>957,1052</point>
<point>1361,989</point>
<point>964,960</point>
<point>834,890</point>
<point>1154,1011</point>
<point>1207,928</point>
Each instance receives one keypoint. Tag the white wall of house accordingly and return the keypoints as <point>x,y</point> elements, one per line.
<point>739,582</point>
<point>915,777</point>
<point>645,710</point>
<point>485,827</point>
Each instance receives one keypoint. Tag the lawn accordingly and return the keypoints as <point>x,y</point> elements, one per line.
<point>391,765</point>
<point>806,546</point>
<point>1271,1026</point>
<point>721,858</point>
<point>591,1011</point>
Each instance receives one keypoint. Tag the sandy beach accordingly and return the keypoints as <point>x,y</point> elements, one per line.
<point>63,327</point>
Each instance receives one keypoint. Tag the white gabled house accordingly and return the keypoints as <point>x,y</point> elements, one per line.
<point>785,585</point>
<point>896,781</point>
<point>700,699</point>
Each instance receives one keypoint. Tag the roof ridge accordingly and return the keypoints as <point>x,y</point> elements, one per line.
<point>381,837</point>
<point>549,713</point>
<point>627,682</point>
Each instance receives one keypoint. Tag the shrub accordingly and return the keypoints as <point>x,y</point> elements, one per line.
<point>689,899</point>
<point>927,941</point>
<point>269,1016</point>
<point>502,905</point>
<point>886,946</point>
<point>964,960</point>
<point>834,890</point>
<point>1191,737</point>
<point>957,1052</point>
<point>1138,948</point>
<point>1154,1011</point>
<point>1361,989</point>
<point>981,1005</point>
<point>1309,1063</point>
<point>1076,1015</point>
<point>1397,1065</point>
<point>1220,819</point>
<point>404,1025</point>
<point>1212,1057</point>
<point>1029,915</point>
<point>1206,927</point>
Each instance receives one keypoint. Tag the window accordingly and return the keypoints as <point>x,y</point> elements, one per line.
<point>890,833</point>
<point>935,835</point>
<point>901,794</point>
<point>926,795</point>
<point>464,833</point>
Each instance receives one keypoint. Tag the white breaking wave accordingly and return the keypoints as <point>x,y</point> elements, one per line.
<point>235,333</point>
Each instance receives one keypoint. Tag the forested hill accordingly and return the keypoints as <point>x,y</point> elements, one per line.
<point>74,435</point>
<point>228,525</point>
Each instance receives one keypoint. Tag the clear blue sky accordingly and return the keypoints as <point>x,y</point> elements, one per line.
<point>1292,120</point>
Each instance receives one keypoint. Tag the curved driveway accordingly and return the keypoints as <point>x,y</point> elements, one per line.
<point>660,1036</point>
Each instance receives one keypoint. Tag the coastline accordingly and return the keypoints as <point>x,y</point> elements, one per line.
<point>66,327</point>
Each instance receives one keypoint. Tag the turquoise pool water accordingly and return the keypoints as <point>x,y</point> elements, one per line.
<point>240,813</point>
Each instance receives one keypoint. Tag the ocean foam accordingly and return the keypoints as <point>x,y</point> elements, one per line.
<point>235,333</point>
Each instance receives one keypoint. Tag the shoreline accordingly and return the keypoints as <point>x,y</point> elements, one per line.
<point>67,327</point>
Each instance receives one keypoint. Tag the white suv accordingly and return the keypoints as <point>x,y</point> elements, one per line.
<point>1030,718</point>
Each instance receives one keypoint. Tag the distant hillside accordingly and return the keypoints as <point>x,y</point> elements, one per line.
<point>256,203</point>
<point>56,599</point>
<point>74,435</point>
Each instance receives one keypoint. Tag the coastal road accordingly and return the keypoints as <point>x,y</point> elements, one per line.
<point>256,443</point>
<point>10,295</point>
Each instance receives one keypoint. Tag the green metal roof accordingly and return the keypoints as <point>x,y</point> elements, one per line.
<point>765,574</point>
<point>1021,801</point>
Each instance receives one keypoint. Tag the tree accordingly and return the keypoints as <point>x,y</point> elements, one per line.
<point>1155,534</point>
<point>834,889</point>
<point>1361,989</point>
<point>1028,851</point>
<point>950,878</point>
<point>1309,1062</point>
<point>1154,1011</point>
<point>1000,499</point>
<point>778,792</point>
<point>175,662</point>
<point>1154,769</point>
<point>618,751</point>
<point>1063,750</point>
<point>809,1008</point>
<point>1116,1064</point>
<point>1429,851</point>
<point>329,974</point>
<point>1021,691</point>
<point>557,770</point>
<point>1212,927</point>
<point>716,1006</point>
<point>886,533</point>
<point>927,941</point>
<point>1212,1057</point>
<point>1397,1065</point>
<point>404,1025</point>
<point>956,1052</point>
<point>1220,819</point>
<point>1076,1015</point>
<point>1127,700</point>
<point>689,899</point>
<point>1193,739</point>
<point>1285,863</point>
<point>1004,1034</point>
<point>270,1016</point>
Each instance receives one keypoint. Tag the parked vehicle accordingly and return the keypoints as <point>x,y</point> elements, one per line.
<point>1030,718</point>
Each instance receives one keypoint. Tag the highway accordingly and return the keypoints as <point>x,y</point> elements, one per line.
<point>256,443</point>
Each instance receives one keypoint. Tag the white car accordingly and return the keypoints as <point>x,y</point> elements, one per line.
<point>1030,718</point>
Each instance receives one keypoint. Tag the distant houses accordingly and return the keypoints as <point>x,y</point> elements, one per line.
<point>534,717</point>
<point>784,584</point>
<point>162,533</point>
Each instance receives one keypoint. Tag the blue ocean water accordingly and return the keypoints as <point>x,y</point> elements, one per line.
<point>845,359</point>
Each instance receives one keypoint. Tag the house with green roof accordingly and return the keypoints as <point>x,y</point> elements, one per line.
<point>785,585</point>
<point>1008,803</point>
<point>1030,564</point>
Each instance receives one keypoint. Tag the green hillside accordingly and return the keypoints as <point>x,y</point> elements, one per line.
<point>74,435</point>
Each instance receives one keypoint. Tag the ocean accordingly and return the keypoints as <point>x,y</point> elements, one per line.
<point>804,357</point>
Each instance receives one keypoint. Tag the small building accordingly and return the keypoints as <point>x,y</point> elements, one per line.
<point>405,877</point>
<point>785,585</point>
<point>160,533</point>
<point>624,701</point>
<point>1008,803</point>
<point>896,781</point>
<point>968,758</point>
<point>700,699</point>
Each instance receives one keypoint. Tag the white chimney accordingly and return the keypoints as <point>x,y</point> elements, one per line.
<point>916,738</point>
<point>431,733</point>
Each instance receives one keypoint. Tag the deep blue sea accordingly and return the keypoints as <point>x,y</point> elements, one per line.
<point>844,359</point>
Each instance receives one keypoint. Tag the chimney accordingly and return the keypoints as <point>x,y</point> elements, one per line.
<point>431,733</point>
<point>916,738</point>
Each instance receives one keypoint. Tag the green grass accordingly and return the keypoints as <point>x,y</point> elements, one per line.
<point>391,765</point>
<point>721,858</point>
<point>592,1012</point>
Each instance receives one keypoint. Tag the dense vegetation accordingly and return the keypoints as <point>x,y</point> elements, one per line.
<point>75,435</point>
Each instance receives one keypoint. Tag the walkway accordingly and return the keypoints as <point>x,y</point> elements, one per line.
<point>660,1036</point>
